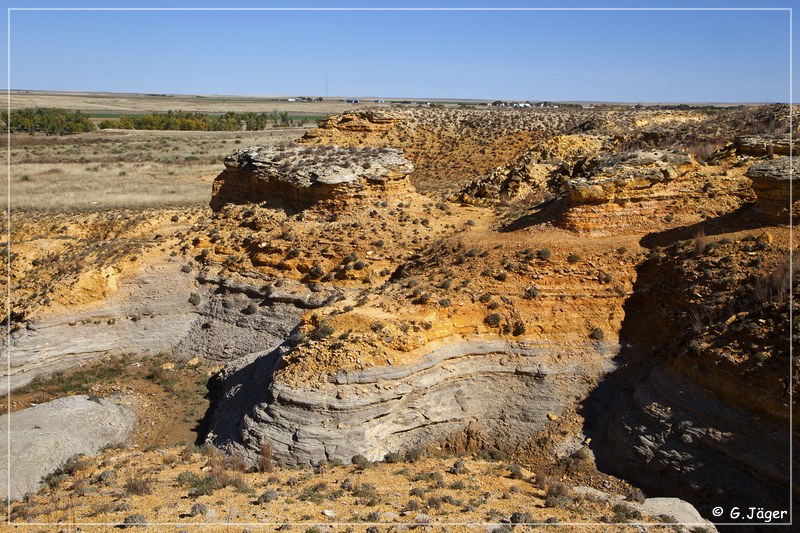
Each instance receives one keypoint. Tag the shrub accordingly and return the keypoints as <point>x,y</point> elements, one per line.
<point>361,462</point>
<point>323,330</point>
<point>134,520</point>
<point>556,494</point>
<point>636,495</point>
<point>544,254</point>
<point>187,478</point>
<point>392,457</point>
<point>458,468</point>
<point>198,509</point>
<point>531,293</point>
<point>264,463</point>
<point>624,512</point>
<point>597,334</point>
<point>194,299</point>
<point>139,485</point>
<point>520,518</point>
<point>413,455</point>
<point>492,320</point>
<point>573,258</point>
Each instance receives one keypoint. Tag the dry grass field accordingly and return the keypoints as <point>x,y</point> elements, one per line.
<point>140,103</point>
<point>118,169</point>
<point>114,169</point>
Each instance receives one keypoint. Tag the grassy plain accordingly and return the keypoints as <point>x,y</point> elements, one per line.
<point>114,169</point>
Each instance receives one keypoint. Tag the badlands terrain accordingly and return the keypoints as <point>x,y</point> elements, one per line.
<point>404,317</point>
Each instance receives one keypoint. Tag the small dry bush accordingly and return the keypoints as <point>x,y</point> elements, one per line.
<point>138,484</point>
<point>557,493</point>
<point>700,241</point>
<point>265,463</point>
<point>773,286</point>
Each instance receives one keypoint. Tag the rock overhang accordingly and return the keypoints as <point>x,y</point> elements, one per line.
<point>304,175</point>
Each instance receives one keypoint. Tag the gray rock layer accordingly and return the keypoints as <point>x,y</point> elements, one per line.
<point>505,389</point>
<point>46,435</point>
<point>672,437</point>
<point>148,313</point>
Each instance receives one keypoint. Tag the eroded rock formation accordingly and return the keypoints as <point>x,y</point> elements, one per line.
<point>629,193</point>
<point>44,436</point>
<point>501,392</point>
<point>302,176</point>
<point>772,182</point>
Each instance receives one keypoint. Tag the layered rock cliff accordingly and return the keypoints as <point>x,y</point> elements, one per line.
<point>497,392</point>
<point>772,183</point>
<point>302,176</point>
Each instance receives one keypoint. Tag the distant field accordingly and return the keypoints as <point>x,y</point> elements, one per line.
<point>114,168</point>
<point>310,117</point>
<point>125,168</point>
<point>117,104</point>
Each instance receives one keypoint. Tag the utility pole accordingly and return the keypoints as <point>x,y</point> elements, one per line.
<point>326,86</point>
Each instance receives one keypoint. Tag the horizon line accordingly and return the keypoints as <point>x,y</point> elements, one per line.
<point>430,98</point>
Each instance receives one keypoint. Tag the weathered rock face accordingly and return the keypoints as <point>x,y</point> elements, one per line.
<point>761,145</point>
<point>369,121</point>
<point>532,172</point>
<point>148,314</point>
<point>771,183</point>
<point>613,195</point>
<point>44,436</point>
<point>302,176</point>
<point>498,392</point>
<point>688,412</point>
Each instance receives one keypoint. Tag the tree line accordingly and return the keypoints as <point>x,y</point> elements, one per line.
<point>48,120</point>
<point>193,121</point>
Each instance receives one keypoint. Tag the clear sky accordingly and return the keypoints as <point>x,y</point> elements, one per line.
<point>631,56</point>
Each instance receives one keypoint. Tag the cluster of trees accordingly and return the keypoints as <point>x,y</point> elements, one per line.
<point>192,121</point>
<point>48,120</point>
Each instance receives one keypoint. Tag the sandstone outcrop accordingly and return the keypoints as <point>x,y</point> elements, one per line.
<point>627,193</point>
<point>701,405</point>
<point>531,174</point>
<point>772,181</point>
<point>44,436</point>
<point>761,145</point>
<point>299,176</point>
<point>497,391</point>
<point>368,121</point>
<point>148,314</point>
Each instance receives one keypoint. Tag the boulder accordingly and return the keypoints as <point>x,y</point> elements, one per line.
<point>761,145</point>
<point>772,181</point>
<point>300,176</point>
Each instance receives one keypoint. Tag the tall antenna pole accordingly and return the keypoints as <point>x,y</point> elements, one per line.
<point>326,86</point>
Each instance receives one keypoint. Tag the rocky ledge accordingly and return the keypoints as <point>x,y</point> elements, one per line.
<point>464,392</point>
<point>761,145</point>
<point>772,181</point>
<point>625,192</point>
<point>300,176</point>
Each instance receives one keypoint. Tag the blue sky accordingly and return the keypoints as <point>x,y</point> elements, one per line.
<point>632,56</point>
